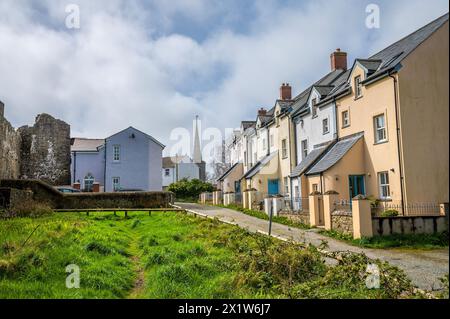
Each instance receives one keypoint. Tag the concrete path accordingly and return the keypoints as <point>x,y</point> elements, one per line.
<point>423,267</point>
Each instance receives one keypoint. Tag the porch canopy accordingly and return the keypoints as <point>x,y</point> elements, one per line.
<point>312,157</point>
<point>335,154</point>
<point>267,166</point>
<point>227,172</point>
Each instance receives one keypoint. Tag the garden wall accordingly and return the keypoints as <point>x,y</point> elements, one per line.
<point>342,221</point>
<point>44,193</point>
<point>385,226</point>
<point>302,217</point>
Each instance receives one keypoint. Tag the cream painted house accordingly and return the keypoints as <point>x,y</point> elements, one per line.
<point>392,117</point>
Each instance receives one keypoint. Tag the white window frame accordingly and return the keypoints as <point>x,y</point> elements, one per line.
<point>167,172</point>
<point>314,107</point>
<point>380,129</point>
<point>286,185</point>
<point>304,146</point>
<point>88,178</point>
<point>358,87</point>
<point>384,188</point>
<point>115,189</point>
<point>284,148</point>
<point>116,153</point>
<point>345,118</point>
<point>325,127</point>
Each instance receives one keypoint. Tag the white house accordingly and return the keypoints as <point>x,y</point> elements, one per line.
<point>315,124</point>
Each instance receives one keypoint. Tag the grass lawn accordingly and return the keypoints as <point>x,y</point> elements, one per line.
<point>172,255</point>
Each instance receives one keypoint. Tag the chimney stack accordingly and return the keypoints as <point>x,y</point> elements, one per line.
<point>262,112</point>
<point>285,92</point>
<point>2,109</point>
<point>338,60</point>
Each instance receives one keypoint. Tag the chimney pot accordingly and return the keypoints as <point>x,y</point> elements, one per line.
<point>338,60</point>
<point>285,92</point>
<point>262,112</point>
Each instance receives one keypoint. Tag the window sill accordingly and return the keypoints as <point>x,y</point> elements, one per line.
<point>325,133</point>
<point>345,126</point>
<point>315,116</point>
<point>381,142</point>
<point>358,97</point>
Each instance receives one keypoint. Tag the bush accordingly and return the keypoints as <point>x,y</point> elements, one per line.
<point>29,209</point>
<point>390,213</point>
<point>190,189</point>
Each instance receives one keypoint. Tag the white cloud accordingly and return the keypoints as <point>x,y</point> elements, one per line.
<point>126,67</point>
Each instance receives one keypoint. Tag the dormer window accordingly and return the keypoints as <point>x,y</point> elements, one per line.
<point>358,87</point>
<point>314,107</point>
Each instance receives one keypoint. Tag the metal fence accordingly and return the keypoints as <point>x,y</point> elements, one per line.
<point>300,204</point>
<point>342,205</point>
<point>385,208</point>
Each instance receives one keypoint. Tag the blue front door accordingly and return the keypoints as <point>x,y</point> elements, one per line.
<point>273,187</point>
<point>356,186</point>
<point>237,187</point>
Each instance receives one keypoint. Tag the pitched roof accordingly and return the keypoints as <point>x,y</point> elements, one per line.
<point>258,166</point>
<point>247,124</point>
<point>170,161</point>
<point>335,154</point>
<point>227,172</point>
<point>145,134</point>
<point>86,144</point>
<point>312,157</point>
<point>302,98</point>
<point>395,53</point>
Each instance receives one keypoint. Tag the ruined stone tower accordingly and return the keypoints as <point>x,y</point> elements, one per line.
<point>45,151</point>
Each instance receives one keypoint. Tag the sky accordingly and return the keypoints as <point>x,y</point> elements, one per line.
<point>156,64</point>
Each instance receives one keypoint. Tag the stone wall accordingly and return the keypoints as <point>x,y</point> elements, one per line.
<point>45,151</point>
<point>301,217</point>
<point>342,221</point>
<point>9,148</point>
<point>45,194</point>
<point>385,226</point>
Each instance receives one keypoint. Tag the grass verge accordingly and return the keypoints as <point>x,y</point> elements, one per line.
<point>261,215</point>
<point>173,255</point>
<point>411,241</point>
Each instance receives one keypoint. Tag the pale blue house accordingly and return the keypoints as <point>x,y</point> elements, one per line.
<point>129,160</point>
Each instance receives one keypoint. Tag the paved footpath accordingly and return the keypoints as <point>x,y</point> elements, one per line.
<point>423,267</point>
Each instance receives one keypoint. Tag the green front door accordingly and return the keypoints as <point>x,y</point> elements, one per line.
<point>356,186</point>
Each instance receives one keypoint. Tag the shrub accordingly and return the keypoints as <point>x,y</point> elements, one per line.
<point>29,209</point>
<point>390,213</point>
<point>190,189</point>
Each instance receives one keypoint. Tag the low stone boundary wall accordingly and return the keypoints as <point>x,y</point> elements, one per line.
<point>342,221</point>
<point>385,226</point>
<point>44,193</point>
<point>302,217</point>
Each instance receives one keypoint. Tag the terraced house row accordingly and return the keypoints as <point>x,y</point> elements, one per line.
<point>378,127</point>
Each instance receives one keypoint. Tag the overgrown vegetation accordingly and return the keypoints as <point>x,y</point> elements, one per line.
<point>178,256</point>
<point>189,190</point>
<point>410,241</point>
<point>27,209</point>
<point>261,215</point>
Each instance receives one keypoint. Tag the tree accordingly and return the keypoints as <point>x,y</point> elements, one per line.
<point>190,189</point>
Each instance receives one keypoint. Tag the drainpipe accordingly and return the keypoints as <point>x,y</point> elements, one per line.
<point>268,141</point>
<point>295,143</point>
<point>74,166</point>
<point>400,160</point>
<point>322,184</point>
<point>336,128</point>
<point>104,170</point>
